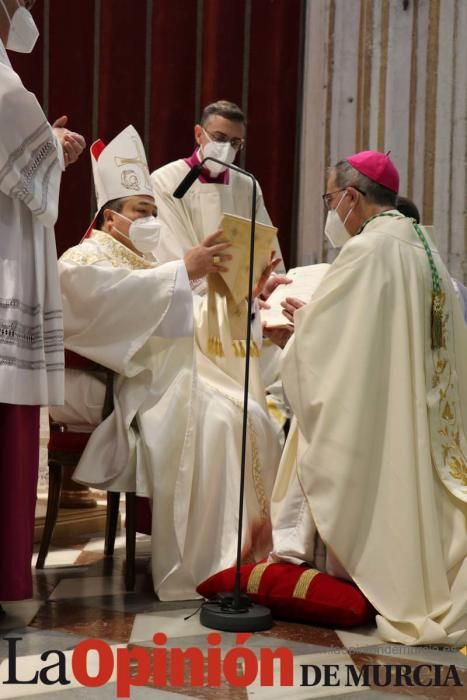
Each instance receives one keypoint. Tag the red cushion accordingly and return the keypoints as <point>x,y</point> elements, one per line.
<point>296,593</point>
<point>68,442</point>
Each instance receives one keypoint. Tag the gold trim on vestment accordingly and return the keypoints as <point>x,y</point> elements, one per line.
<point>453,455</point>
<point>114,251</point>
<point>78,256</point>
<point>256,470</point>
<point>216,348</point>
<point>303,583</point>
<point>256,574</point>
<point>274,411</point>
<point>119,253</point>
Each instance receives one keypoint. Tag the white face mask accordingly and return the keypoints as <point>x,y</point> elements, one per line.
<point>335,230</point>
<point>222,151</point>
<point>23,32</point>
<point>144,233</point>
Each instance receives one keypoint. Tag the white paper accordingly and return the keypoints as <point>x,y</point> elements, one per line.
<point>305,280</point>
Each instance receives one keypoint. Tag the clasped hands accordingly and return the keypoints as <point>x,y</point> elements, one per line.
<point>73,144</point>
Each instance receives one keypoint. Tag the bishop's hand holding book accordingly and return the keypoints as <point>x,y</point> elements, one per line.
<point>278,315</point>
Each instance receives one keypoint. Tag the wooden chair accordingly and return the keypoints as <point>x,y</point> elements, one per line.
<point>65,449</point>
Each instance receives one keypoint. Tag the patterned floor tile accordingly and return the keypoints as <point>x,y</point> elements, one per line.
<point>88,586</point>
<point>88,558</point>
<point>170,622</point>
<point>60,557</point>
<point>431,655</point>
<point>34,641</point>
<point>18,614</point>
<point>27,666</point>
<point>383,669</point>
<point>81,594</point>
<point>309,679</point>
<point>109,692</point>
<point>359,637</point>
<point>294,632</point>
<point>85,622</point>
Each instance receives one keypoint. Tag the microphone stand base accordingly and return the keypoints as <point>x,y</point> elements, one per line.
<point>222,615</point>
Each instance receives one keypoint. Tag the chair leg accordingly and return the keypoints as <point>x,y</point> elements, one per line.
<point>53,501</point>
<point>130,526</point>
<point>113,503</point>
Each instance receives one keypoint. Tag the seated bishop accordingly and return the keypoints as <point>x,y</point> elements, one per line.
<point>175,432</point>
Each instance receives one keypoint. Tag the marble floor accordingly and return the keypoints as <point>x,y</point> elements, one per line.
<point>80,595</point>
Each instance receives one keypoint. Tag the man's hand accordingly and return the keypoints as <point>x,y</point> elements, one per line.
<point>73,144</point>
<point>290,306</point>
<point>265,277</point>
<point>207,257</point>
<point>272,282</point>
<point>279,335</point>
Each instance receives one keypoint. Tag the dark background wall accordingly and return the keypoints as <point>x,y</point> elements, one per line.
<point>155,64</point>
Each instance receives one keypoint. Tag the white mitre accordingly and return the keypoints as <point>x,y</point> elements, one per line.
<point>120,169</point>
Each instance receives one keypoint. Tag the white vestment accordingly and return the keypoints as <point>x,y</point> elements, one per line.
<point>175,433</point>
<point>381,454</point>
<point>187,221</point>
<point>31,331</point>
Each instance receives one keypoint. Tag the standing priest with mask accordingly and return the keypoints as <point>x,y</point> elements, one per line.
<point>33,155</point>
<point>376,373</point>
<point>221,134</point>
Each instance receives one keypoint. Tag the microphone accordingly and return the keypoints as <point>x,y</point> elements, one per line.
<point>233,611</point>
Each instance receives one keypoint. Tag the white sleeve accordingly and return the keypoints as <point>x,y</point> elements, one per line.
<point>178,321</point>
<point>31,159</point>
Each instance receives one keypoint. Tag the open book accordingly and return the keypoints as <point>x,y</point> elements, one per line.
<point>237,232</point>
<point>305,280</point>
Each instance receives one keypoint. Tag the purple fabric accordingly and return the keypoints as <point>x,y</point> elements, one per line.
<point>19,468</point>
<point>205,176</point>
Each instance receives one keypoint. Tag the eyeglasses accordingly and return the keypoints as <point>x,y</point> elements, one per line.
<point>327,196</point>
<point>219,137</point>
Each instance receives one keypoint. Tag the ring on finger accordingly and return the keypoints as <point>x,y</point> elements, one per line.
<point>216,259</point>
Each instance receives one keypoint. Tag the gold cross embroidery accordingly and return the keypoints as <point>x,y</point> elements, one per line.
<point>139,160</point>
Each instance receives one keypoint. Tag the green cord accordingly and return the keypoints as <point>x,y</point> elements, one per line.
<point>438,298</point>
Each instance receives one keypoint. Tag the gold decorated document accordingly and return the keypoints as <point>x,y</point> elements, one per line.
<point>305,280</point>
<point>237,232</point>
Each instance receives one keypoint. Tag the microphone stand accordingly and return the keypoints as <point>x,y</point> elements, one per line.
<point>232,611</point>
